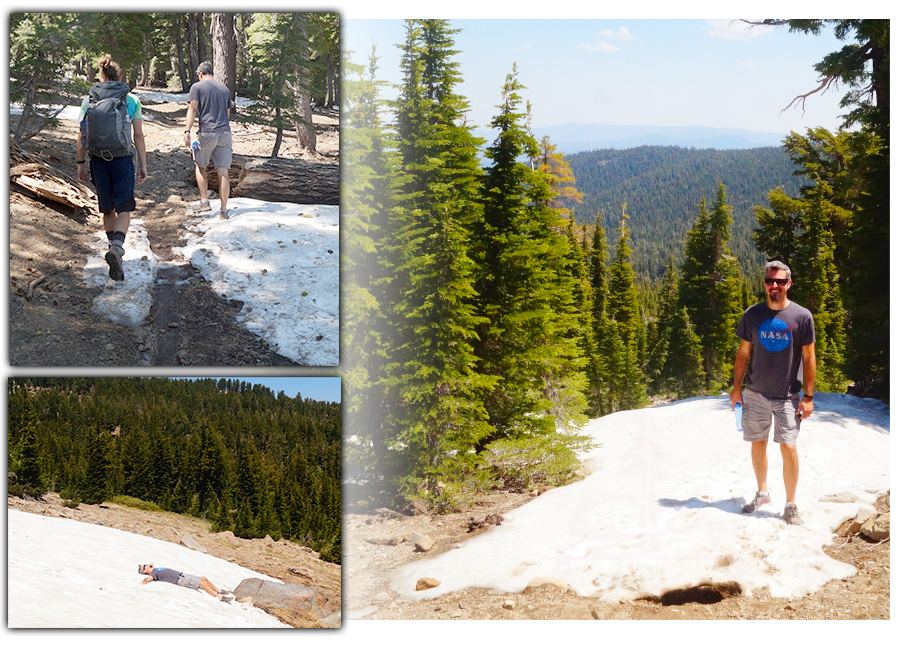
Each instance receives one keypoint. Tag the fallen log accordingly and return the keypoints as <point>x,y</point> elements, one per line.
<point>288,180</point>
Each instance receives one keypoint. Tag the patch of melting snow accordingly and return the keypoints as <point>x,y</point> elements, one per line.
<point>127,302</point>
<point>281,260</point>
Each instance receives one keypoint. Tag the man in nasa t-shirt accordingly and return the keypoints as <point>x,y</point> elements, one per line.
<point>777,341</point>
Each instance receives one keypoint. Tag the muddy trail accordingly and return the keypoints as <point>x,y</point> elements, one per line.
<point>52,316</point>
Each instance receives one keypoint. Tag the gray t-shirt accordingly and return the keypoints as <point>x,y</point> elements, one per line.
<point>165,575</point>
<point>214,100</point>
<point>777,338</point>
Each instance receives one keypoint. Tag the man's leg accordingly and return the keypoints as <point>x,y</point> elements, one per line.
<point>116,226</point>
<point>201,182</point>
<point>791,470</point>
<point>760,463</point>
<point>208,587</point>
<point>224,187</point>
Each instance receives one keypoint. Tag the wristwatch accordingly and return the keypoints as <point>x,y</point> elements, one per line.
<point>805,395</point>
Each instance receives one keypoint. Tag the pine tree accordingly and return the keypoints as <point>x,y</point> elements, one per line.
<point>710,288</point>
<point>524,341</point>
<point>27,470</point>
<point>95,487</point>
<point>439,415</point>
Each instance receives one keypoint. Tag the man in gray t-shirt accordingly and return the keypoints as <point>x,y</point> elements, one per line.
<point>176,577</point>
<point>210,103</point>
<point>777,344</point>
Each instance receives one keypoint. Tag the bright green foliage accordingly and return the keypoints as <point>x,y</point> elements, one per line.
<point>199,447</point>
<point>432,379</point>
<point>862,257</point>
<point>526,299</point>
<point>367,284</point>
<point>710,289</point>
<point>279,56</point>
<point>622,304</point>
<point>41,49</point>
<point>24,461</point>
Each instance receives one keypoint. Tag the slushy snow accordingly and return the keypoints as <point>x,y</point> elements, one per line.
<point>69,574</point>
<point>279,259</point>
<point>663,509</point>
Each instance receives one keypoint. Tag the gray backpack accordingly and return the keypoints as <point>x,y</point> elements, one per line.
<point>106,127</point>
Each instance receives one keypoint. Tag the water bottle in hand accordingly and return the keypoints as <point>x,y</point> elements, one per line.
<point>195,145</point>
<point>738,411</point>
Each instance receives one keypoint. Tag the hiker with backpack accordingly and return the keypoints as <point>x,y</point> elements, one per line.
<point>210,102</point>
<point>110,115</point>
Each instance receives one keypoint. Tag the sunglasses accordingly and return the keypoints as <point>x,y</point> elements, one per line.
<point>777,281</point>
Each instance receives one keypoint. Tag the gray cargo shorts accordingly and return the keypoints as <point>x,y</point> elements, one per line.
<point>189,581</point>
<point>759,410</point>
<point>215,145</point>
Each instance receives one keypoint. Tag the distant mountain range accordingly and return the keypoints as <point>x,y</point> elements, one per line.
<point>574,138</point>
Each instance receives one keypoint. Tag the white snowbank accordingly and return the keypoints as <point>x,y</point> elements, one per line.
<point>281,260</point>
<point>69,112</point>
<point>129,301</point>
<point>181,97</point>
<point>663,510</point>
<point>68,574</point>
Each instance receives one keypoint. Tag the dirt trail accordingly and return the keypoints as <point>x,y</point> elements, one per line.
<point>188,323</point>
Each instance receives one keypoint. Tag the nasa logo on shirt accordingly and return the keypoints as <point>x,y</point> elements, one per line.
<point>774,335</point>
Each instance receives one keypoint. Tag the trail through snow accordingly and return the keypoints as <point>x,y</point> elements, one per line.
<point>663,509</point>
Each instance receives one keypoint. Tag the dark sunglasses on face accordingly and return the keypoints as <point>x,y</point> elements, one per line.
<point>777,281</point>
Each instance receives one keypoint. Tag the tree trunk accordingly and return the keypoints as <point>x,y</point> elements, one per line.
<point>224,50</point>
<point>306,132</point>
<point>279,134</point>
<point>288,180</point>
<point>202,50</point>
<point>192,45</point>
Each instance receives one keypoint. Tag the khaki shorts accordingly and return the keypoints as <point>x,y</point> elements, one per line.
<point>189,581</point>
<point>215,145</point>
<point>760,410</point>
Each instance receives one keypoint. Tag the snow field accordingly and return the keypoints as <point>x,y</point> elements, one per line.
<point>663,510</point>
<point>69,574</point>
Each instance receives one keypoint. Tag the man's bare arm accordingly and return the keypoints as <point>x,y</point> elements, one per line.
<point>741,361</point>
<point>809,380</point>
<point>189,122</point>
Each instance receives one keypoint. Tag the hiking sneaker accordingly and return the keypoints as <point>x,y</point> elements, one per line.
<point>792,515</point>
<point>226,596</point>
<point>114,259</point>
<point>223,214</point>
<point>756,503</point>
<point>200,207</point>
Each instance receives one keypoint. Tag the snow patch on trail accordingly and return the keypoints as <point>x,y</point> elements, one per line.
<point>281,260</point>
<point>663,510</point>
<point>129,301</point>
<point>69,574</point>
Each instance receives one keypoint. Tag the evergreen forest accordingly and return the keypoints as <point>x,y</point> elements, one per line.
<point>662,186</point>
<point>492,296</point>
<point>283,61</point>
<point>235,453</point>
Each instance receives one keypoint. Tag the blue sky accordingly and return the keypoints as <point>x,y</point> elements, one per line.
<point>322,389</point>
<point>668,72</point>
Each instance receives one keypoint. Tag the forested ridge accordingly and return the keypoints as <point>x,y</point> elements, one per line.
<point>251,461</point>
<point>487,314</point>
<point>662,187</point>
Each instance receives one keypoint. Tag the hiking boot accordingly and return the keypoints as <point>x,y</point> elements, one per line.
<point>792,515</point>
<point>756,503</point>
<point>226,596</point>
<point>223,214</point>
<point>114,259</point>
<point>200,207</point>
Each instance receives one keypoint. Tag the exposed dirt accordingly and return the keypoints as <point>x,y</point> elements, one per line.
<point>275,559</point>
<point>57,326</point>
<point>375,546</point>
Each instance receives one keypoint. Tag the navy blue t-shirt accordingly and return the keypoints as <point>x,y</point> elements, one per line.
<point>777,338</point>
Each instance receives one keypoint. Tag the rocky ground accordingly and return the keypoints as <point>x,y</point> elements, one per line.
<point>284,560</point>
<point>189,324</point>
<point>378,542</point>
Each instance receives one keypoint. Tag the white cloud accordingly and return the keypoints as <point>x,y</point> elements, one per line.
<point>737,29</point>
<point>603,46</point>
<point>622,34</point>
<point>747,63</point>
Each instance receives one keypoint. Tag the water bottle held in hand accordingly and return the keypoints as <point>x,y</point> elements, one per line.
<point>195,145</point>
<point>738,411</point>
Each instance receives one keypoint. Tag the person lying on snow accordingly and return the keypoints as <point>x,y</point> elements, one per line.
<point>184,580</point>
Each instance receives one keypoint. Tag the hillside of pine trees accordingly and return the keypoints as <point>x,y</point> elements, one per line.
<point>250,461</point>
<point>487,314</point>
<point>662,186</point>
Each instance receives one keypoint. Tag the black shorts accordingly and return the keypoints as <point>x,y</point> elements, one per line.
<point>114,181</point>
